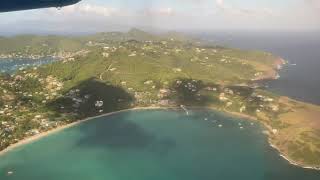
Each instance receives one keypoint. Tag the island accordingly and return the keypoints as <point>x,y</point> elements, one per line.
<point>113,71</point>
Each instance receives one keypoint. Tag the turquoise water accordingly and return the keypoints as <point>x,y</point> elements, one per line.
<point>153,144</point>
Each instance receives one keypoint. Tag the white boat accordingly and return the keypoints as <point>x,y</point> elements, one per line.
<point>185,109</point>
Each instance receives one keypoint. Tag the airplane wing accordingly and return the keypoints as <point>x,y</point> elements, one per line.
<point>16,5</point>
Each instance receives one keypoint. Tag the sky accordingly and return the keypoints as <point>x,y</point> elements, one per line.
<point>91,16</point>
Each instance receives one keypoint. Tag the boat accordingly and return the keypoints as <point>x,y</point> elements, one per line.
<point>185,109</point>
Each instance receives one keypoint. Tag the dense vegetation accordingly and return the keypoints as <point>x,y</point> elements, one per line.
<point>134,69</point>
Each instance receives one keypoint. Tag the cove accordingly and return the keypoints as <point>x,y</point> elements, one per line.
<point>11,65</point>
<point>153,144</point>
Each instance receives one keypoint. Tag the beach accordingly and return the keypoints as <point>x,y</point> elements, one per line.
<point>58,129</point>
<point>236,114</point>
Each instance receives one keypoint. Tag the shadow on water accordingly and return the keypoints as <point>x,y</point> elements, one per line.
<point>120,132</point>
<point>115,131</point>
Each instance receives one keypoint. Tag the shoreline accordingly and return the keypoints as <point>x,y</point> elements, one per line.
<point>273,73</point>
<point>290,161</point>
<point>39,136</point>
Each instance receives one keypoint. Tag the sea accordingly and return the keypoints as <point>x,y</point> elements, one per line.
<point>11,65</point>
<point>154,144</point>
<point>169,144</point>
<point>300,78</point>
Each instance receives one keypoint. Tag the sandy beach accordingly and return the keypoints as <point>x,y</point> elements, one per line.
<point>58,129</point>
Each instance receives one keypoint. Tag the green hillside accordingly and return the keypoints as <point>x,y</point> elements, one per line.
<point>136,69</point>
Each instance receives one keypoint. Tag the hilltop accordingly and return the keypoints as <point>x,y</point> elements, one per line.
<point>117,70</point>
<point>46,45</point>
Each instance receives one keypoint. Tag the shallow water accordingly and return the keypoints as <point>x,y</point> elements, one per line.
<point>153,144</point>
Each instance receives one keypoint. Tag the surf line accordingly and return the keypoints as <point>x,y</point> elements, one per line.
<point>185,109</point>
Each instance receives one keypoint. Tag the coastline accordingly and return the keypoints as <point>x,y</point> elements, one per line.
<point>63,127</point>
<point>290,161</point>
<point>236,114</point>
<point>269,132</point>
<point>272,74</point>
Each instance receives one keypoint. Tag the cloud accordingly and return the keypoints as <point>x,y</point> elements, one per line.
<point>84,10</point>
<point>240,11</point>
<point>88,17</point>
<point>314,4</point>
<point>159,12</point>
<point>220,3</point>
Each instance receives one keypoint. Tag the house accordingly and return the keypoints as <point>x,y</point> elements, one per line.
<point>229,104</point>
<point>242,109</point>
<point>148,82</point>
<point>163,93</point>
<point>98,104</point>
<point>132,54</point>
<point>176,70</point>
<point>274,131</point>
<point>222,97</point>
<point>165,102</point>
<point>123,83</point>
<point>106,55</point>
<point>274,107</point>
<point>113,69</point>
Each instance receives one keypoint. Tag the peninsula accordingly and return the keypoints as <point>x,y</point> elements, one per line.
<point>113,71</point>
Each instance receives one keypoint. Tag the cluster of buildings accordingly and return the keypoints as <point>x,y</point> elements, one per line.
<point>20,107</point>
<point>21,114</point>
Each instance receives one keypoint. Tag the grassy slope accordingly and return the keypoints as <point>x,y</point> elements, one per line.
<point>297,135</point>
<point>158,67</point>
<point>300,138</point>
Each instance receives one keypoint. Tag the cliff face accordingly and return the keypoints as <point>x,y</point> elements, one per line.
<point>271,72</point>
<point>278,63</point>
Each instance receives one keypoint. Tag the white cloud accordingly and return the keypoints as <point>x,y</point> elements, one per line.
<point>314,5</point>
<point>158,12</point>
<point>166,11</point>
<point>197,14</point>
<point>84,10</point>
<point>241,11</point>
<point>220,3</point>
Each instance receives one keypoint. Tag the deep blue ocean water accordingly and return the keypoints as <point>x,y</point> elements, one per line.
<point>153,144</point>
<point>300,81</point>
<point>170,145</point>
